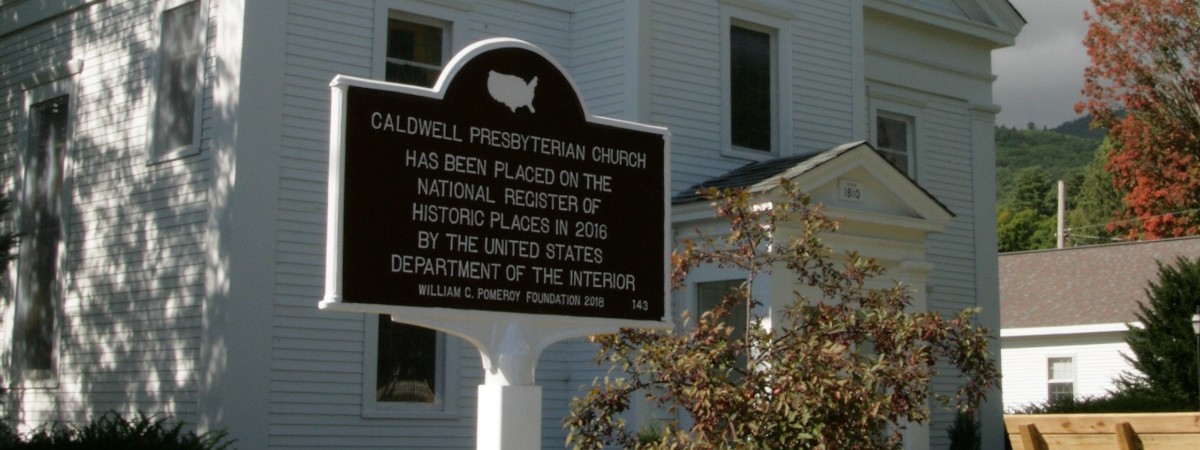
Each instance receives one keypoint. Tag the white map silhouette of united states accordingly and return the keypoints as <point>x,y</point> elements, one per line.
<point>511,90</point>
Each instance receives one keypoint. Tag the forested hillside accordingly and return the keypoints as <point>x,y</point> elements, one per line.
<point>1063,152</point>
<point>1029,162</point>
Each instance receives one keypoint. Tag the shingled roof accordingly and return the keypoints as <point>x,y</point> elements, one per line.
<point>762,175</point>
<point>749,175</point>
<point>1083,285</point>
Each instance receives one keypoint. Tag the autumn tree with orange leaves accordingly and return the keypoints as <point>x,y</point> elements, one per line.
<point>1143,86</point>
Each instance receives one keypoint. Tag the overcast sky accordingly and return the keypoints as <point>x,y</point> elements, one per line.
<point>1039,79</point>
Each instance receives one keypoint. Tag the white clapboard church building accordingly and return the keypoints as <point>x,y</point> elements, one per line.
<point>168,162</point>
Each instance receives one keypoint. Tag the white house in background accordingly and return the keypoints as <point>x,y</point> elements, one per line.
<point>168,162</point>
<point>1064,315</point>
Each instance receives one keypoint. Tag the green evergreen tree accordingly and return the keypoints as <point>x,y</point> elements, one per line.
<point>1164,349</point>
<point>964,433</point>
<point>1097,202</point>
<point>1034,191</point>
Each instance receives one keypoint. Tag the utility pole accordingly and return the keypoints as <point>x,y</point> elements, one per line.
<point>1062,213</point>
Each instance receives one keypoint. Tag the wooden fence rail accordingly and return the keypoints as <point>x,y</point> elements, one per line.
<point>1158,431</point>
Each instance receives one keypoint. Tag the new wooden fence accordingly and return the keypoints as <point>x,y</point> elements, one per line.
<point>1159,431</point>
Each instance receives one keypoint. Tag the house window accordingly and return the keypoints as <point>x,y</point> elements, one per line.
<point>41,223</point>
<point>894,140</point>
<point>416,50</point>
<point>407,368</point>
<point>178,83</point>
<point>1061,378</point>
<point>751,88</point>
<point>756,93</point>
<point>710,294</point>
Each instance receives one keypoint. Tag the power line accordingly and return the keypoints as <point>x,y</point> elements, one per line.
<point>1136,219</point>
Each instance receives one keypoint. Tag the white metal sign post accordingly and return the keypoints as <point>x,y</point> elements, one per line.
<point>494,208</point>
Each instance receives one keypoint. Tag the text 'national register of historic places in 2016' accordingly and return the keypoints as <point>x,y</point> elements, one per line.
<point>501,196</point>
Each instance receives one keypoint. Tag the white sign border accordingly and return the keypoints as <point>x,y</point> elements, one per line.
<point>508,342</point>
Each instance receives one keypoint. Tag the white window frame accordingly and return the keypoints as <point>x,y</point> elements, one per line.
<point>899,107</point>
<point>452,15</point>
<point>153,153</point>
<point>774,20</point>
<point>1074,380</point>
<point>43,85</point>
<point>446,388</point>
<point>447,14</point>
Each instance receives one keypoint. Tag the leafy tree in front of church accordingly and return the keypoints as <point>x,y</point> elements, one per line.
<point>842,365</point>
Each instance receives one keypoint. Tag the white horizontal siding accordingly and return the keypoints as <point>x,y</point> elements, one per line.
<point>554,377</point>
<point>686,83</point>
<point>599,55</point>
<point>316,360</point>
<point>1097,358</point>
<point>944,157</point>
<point>822,79</point>
<point>134,265</point>
<point>548,28</point>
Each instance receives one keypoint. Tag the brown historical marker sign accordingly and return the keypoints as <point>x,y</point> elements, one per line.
<point>495,191</point>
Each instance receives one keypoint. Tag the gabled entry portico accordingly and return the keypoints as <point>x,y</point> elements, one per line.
<point>882,214</point>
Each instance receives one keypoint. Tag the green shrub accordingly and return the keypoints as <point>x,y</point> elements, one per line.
<point>1124,401</point>
<point>8,439</point>
<point>111,431</point>
<point>964,433</point>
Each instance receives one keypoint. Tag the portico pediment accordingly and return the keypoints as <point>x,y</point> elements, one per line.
<point>852,181</point>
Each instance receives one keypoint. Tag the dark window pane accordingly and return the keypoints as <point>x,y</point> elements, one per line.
<point>892,140</point>
<point>175,106</point>
<point>751,89</point>
<point>414,53</point>
<point>1061,391</point>
<point>41,222</point>
<point>407,363</point>
<point>892,134</point>
<point>709,295</point>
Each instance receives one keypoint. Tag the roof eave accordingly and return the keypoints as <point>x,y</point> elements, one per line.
<point>1008,22</point>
